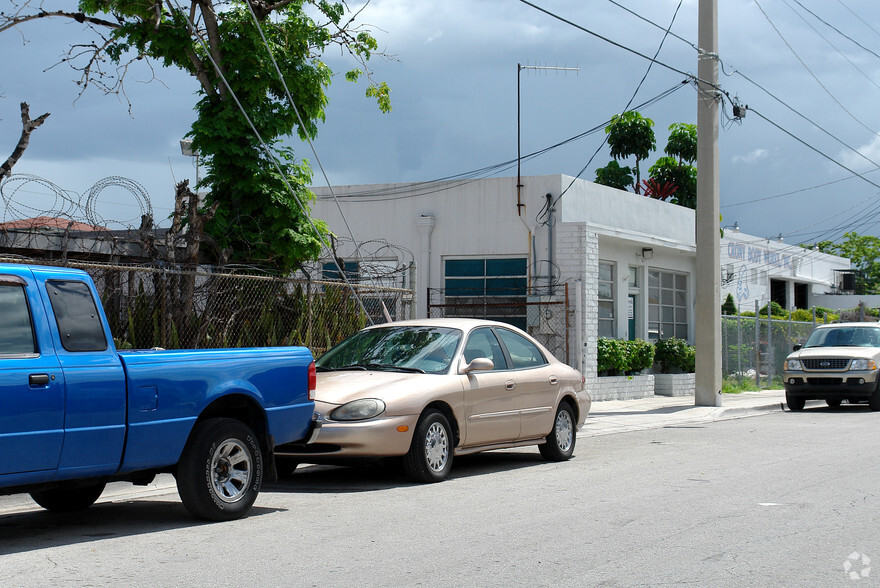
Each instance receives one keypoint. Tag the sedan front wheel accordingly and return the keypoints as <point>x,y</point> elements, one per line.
<point>429,458</point>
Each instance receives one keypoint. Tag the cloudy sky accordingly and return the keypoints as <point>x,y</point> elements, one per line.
<point>801,163</point>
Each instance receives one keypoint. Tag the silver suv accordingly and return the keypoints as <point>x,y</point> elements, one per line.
<point>837,362</point>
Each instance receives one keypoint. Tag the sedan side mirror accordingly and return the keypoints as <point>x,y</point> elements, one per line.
<point>479,364</point>
<point>796,347</point>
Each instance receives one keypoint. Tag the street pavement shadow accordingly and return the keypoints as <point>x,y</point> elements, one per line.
<point>41,529</point>
<point>379,475</point>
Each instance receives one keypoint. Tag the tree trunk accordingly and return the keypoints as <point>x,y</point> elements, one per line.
<point>27,127</point>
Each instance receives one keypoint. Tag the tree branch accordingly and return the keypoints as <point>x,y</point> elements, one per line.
<point>27,127</point>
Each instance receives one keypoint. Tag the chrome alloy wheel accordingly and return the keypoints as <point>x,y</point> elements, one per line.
<point>436,447</point>
<point>231,470</point>
<point>564,430</point>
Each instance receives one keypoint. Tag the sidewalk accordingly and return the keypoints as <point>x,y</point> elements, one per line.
<point>620,416</point>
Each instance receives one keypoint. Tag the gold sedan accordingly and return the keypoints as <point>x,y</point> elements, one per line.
<point>428,390</point>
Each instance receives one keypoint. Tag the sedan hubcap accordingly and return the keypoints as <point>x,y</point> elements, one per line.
<point>436,447</point>
<point>231,470</point>
<point>564,430</point>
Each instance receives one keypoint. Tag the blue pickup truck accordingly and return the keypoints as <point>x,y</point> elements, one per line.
<point>75,413</point>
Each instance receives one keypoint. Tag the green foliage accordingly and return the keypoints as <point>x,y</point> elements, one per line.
<point>801,314</point>
<point>640,354</point>
<point>619,357</point>
<point>776,310</point>
<point>261,213</point>
<point>668,169</point>
<point>611,354</point>
<point>615,176</point>
<point>864,253</point>
<point>631,135</point>
<point>674,354</point>
<point>682,142</point>
<point>729,306</point>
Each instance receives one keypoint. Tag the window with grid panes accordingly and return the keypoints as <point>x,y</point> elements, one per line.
<point>492,288</point>
<point>667,305</point>
<point>606,299</point>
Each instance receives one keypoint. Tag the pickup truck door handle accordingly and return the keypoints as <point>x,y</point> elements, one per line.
<point>38,379</point>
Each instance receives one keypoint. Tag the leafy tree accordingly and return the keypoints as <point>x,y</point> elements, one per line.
<point>682,142</point>
<point>667,169</point>
<point>615,176</point>
<point>256,189</point>
<point>729,306</point>
<point>631,135</point>
<point>864,253</point>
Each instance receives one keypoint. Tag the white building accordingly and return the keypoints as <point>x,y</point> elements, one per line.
<point>624,262</point>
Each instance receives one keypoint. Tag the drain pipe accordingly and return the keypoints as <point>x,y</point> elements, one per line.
<point>425,224</point>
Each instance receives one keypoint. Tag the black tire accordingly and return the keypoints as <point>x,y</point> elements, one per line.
<point>221,470</point>
<point>559,444</point>
<point>429,458</point>
<point>794,403</point>
<point>833,402</point>
<point>874,400</point>
<point>68,498</point>
<point>285,466</point>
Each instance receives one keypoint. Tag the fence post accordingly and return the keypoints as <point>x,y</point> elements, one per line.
<point>739,342</point>
<point>788,343</point>
<point>769,345</point>
<point>757,346</point>
<point>814,318</point>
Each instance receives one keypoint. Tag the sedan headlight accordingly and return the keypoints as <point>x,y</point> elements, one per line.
<point>793,365</point>
<point>358,410</point>
<point>863,364</point>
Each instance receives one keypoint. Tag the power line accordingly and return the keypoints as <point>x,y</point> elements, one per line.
<point>810,71</point>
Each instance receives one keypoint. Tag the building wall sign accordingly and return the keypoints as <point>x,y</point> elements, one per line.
<point>758,255</point>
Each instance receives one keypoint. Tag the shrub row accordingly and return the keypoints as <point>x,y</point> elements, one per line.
<point>619,357</point>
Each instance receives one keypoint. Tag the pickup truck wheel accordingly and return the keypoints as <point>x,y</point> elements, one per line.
<point>429,458</point>
<point>559,444</point>
<point>68,499</point>
<point>794,403</point>
<point>221,470</point>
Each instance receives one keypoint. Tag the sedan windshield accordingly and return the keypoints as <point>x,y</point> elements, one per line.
<point>410,348</point>
<point>845,337</point>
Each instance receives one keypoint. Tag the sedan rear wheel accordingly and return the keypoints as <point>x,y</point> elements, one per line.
<point>559,444</point>
<point>429,458</point>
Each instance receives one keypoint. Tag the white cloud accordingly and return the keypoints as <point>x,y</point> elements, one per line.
<point>752,157</point>
<point>861,161</point>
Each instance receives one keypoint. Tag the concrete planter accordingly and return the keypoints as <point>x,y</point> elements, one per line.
<point>674,384</point>
<point>621,387</point>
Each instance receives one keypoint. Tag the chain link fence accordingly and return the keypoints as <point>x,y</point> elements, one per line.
<point>180,309</point>
<point>544,313</point>
<point>755,348</point>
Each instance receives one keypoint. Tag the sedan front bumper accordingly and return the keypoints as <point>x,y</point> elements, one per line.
<point>383,436</point>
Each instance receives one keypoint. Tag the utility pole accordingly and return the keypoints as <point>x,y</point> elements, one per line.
<point>708,277</point>
<point>519,68</point>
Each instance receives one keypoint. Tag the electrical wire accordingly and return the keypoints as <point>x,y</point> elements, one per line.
<point>813,75</point>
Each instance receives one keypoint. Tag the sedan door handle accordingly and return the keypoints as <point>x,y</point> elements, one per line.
<point>38,379</point>
<point>553,380</point>
<point>510,384</point>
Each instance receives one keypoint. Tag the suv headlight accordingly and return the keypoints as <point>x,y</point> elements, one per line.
<point>863,364</point>
<point>358,410</point>
<point>793,365</point>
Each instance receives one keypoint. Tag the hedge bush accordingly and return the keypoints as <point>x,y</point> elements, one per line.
<point>675,354</point>
<point>619,357</point>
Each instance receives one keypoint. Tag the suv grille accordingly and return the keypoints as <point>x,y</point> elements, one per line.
<point>830,363</point>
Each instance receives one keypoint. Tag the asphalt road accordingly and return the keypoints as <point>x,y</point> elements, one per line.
<point>782,499</point>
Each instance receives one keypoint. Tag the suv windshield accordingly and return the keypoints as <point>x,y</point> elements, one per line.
<point>405,348</point>
<point>845,337</point>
